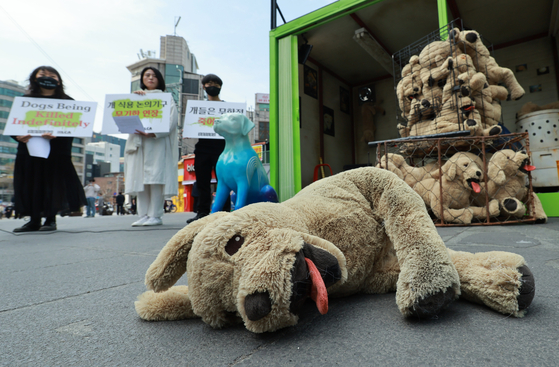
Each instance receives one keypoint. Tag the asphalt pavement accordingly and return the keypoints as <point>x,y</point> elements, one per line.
<point>67,299</point>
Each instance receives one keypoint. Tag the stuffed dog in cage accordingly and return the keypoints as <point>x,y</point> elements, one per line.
<point>470,42</point>
<point>461,176</point>
<point>360,231</point>
<point>506,182</point>
<point>410,86</point>
<point>396,163</point>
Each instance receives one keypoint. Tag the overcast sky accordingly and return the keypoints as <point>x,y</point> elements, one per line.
<point>92,41</point>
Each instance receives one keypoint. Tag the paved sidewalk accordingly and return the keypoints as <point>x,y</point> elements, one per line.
<point>68,300</point>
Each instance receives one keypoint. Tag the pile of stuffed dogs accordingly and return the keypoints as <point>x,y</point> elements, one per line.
<point>463,189</point>
<point>452,86</point>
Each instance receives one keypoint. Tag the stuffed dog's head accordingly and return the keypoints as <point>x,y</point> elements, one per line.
<point>462,168</point>
<point>508,163</point>
<point>253,266</point>
<point>231,125</point>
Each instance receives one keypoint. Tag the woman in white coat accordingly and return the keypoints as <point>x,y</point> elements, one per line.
<point>150,160</point>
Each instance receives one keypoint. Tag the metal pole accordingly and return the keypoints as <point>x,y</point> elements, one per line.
<point>273,17</point>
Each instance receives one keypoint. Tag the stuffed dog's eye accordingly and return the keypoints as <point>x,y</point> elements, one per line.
<point>234,244</point>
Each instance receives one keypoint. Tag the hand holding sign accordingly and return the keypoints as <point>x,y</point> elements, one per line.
<point>126,113</point>
<point>38,116</point>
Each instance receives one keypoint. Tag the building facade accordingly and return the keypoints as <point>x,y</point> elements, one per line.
<point>262,117</point>
<point>8,146</point>
<point>179,68</point>
<point>105,152</point>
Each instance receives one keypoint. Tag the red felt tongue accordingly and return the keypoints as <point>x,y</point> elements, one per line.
<point>475,187</point>
<point>529,168</point>
<point>318,291</point>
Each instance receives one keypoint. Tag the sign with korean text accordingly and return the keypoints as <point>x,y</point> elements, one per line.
<point>123,113</point>
<point>262,98</point>
<point>200,116</point>
<point>60,117</point>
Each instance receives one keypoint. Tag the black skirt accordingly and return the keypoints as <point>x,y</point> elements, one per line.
<point>43,187</point>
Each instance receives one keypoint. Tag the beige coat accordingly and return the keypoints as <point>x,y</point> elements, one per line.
<point>153,161</point>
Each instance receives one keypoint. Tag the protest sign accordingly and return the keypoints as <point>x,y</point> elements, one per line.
<point>60,117</point>
<point>153,110</point>
<point>200,116</point>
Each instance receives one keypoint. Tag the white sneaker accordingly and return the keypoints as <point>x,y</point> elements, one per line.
<point>140,221</point>
<point>153,222</point>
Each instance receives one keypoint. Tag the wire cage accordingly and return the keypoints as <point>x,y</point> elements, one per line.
<point>442,85</point>
<point>466,180</point>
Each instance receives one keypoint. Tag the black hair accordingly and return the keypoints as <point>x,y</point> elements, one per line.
<point>212,78</point>
<point>158,75</point>
<point>34,89</point>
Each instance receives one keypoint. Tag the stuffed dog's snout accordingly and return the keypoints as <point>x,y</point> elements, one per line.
<point>258,305</point>
<point>306,284</point>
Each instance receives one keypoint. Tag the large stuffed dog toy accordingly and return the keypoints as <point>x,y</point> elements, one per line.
<point>363,230</point>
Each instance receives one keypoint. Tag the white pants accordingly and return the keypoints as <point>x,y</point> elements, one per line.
<point>150,201</point>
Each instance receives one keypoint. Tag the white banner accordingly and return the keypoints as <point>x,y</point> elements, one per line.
<point>262,98</point>
<point>153,110</point>
<point>200,116</point>
<point>61,117</point>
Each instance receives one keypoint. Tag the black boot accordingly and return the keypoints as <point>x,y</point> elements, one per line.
<point>50,224</point>
<point>33,225</point>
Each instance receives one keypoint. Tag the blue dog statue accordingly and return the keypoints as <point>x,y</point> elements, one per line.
<point>238,168</point>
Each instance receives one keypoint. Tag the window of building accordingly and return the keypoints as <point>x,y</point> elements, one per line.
<point>263,130</point>
<point>77,159</point>
<point>11,150</point>
<point>4,114</point>
<point>2,125</point>
<point>135,85</point>
<point>78,140</point>
<point>173,73</point>
<point>264,107</point>
<point>7,139</point>
<point>190,86</point>
<point>10,92</point>
<point>77,150</point>
<point>5,103</point>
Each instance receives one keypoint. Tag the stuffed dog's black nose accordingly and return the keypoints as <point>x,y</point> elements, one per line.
<point>478,174</point>
<point>471,37</point>
<point>258,305</point>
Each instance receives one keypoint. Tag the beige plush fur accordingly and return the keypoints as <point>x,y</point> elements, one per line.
<point>411,175</point>
<point>456,114</point>
<point>507,184</point>
<point>410,86</point>
<point>454,207</point>
<point>470,42</point>
<point>370,224</point>
<point>532,107</point>
<point>484,276</point>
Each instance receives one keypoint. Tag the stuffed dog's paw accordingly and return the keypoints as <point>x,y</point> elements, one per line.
<point>171,305</point>
<point>500,280</point>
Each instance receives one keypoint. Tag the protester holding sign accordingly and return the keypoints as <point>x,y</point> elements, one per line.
<point>44,186</point>
<point>206,154</point>
<point>150,159</point>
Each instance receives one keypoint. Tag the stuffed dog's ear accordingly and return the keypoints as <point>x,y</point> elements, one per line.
<point>170,264</point>
<point>247,125</point>
<point>449,170</point>
<point>329,247</point>
<point>496,174</point>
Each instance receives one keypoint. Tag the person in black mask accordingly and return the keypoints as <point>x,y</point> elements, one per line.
<point>43,187</point>
<point>206,152</point>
